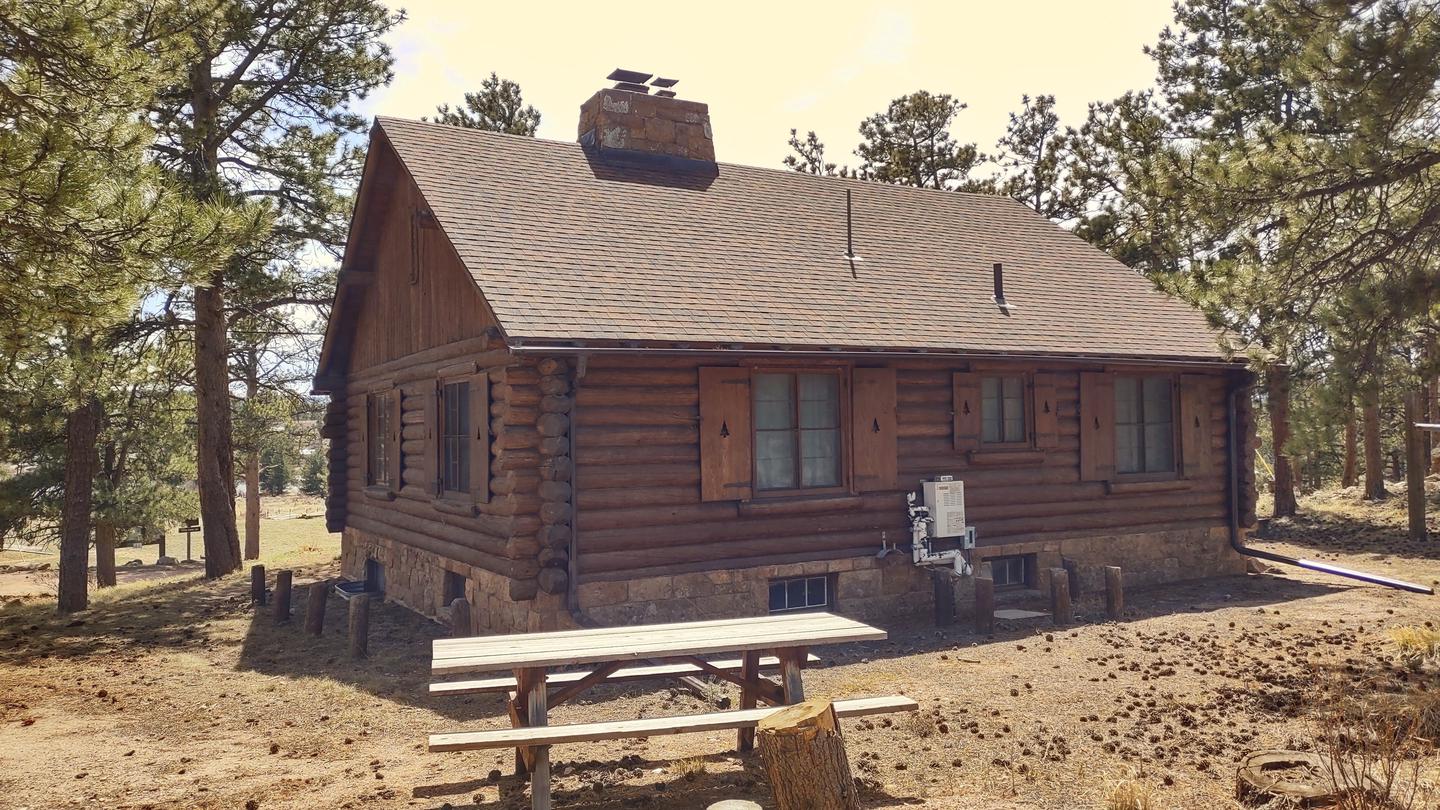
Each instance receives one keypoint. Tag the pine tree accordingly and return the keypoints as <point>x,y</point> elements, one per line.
<point>259,116</point>
<point>497,107</point>
<point>808,156</point>
<point>910,144</point>
<point>1031,156</point>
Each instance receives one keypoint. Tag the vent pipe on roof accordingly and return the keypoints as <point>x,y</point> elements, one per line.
<point>1000,285</point>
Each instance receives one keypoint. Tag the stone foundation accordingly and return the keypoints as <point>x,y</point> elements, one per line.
<point>866,588</point>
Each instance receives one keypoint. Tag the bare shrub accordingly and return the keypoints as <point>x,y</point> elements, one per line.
<point>1371,748</point>
<point>1130,793</point>
<point>689,768</point>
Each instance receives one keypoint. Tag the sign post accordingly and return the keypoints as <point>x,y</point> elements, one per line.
<point>191,526</point>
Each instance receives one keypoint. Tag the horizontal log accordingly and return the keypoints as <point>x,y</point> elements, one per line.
<point>587,396</point>
<point>514,459</point>
<point>557,468</point>
<point>589,476</point>
<point>585,453</point>
<point>634,436</point>
<point>556,404</point>
<point>515,437</point>
<point>637,415</point>
<point>485,532</point>
<point>552,513</point>
<point>601,377</point>
<point>554,446</point>
<point>515,482</point>
<point>476,348</point>
<point>552,365</point>
<point>588,499</point>
<point>521,568</point>
<point>515,394</point>
<point>777,531</point>
<point>552,424</point>
<point>555,491</point>
<point>413,448</point>
<point>812,546</point>
<point>551,385</point>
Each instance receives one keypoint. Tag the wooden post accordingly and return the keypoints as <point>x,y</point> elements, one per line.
<point>1114,591</point>
<point>804,757</point>
<point>1060,597</point>
<point>985,606</point>
<point>531,688</point>
<point>360,626</point>
<point>792,659</point>
<point>1072,573</point>
<point>257,585</point>
<point>282,595</point>
<point>749,696</point>
<point>944,586</point>
<point>315,607</point>
<point>1415,463</point>
<point>460,626</point>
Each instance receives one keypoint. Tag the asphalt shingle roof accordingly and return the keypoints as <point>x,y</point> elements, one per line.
<point>566,247</point>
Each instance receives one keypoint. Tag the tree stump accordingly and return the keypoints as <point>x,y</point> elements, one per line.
<point>315,607</point>
<point>283,580</point>
<point>1301,777</point>
<point>804,757</point>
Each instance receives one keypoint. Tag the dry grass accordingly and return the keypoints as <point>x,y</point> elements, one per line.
<point>1129,793</point>
<point>689,768</point>
<point>1416,646</point>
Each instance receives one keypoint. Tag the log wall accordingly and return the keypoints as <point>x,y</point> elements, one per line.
<point>638,502</point>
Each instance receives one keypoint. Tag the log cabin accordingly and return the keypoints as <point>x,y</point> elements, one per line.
<point>616,381</point>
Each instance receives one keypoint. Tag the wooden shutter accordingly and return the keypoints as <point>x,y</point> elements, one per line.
<point>397,466</point>
<point>480,437</point>
<point>725,437</point>
<point>872,429</point>
<point>366,418</point>
<point>432,440</point>
<point>965,399</point>
<point>1195,425</point>
<point>1097,426</point>
<point>1047,424</point>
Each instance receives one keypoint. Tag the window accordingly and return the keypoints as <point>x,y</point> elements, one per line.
<point>1144,424</point>
<point>374,576</point>
<point>799,593</point>
<point>797,430</point>
<point>1002,410</point>
<point>455,437</point>
<point>1010,572</point>
<point>379,413</point>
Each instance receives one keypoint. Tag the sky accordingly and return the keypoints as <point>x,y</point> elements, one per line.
<point>765,67</point>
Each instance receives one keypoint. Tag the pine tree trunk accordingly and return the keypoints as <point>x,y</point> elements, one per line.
<point>82,427</point>
<point>1350,476</point>
<point>215,463</point>
<point>252,471</point>
<point>1374,454</point>
<point>1433,416</point>
<point>1277,388</point>
<point>104,554</point>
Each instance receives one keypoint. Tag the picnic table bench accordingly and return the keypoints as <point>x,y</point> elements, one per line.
<point>620,654</point>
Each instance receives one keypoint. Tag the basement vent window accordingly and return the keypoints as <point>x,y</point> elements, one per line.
<point>799,593</point>
<point>1011,572</point>
<point>374,576</point>
<point>453,588</point>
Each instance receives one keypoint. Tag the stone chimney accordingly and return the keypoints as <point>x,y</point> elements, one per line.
<point>627,122</point>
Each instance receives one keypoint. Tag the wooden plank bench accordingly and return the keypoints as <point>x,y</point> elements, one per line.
<point>554,679</point>
<point>525,736</point>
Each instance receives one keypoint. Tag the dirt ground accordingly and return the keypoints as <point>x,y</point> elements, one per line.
<point>175,694</point>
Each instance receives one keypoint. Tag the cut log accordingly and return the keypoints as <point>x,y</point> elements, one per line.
<point>804,757</point>
<point>460,623</point>
<point>282,596</point>
<point>360,626</point>
<point>1299,778</point>
<point>257,585</point>
<point>1114,591</point>
<point>1060,597</point>
<point>315,607</point>
<point>985,606</point>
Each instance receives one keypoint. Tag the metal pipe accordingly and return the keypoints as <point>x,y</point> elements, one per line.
<point>523,348</point>
<point>1312,565</point>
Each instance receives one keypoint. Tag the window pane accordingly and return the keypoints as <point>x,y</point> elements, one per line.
<point>1157,399</point>
<point>819,400</point>
<point>775,459</point>
<point>1127,396</point>
<point>1159,447</point>
<point>815,592</point>
<point>1014,409</point>
<point>774,401</point>
<point>821,453</point>
<point>795,593</point>
<point>777,596</point>
<point>1127,448</point>
<point>990,409</point>
<point>455,449</point>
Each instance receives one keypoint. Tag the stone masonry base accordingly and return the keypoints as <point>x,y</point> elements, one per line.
<point>866,588</point>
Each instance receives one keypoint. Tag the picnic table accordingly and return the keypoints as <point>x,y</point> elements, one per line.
<point>617,654</point>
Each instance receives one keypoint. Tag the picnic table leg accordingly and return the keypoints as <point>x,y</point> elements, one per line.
<point>749,696</point>
<point>532,690</point>
<point>792,660</point>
